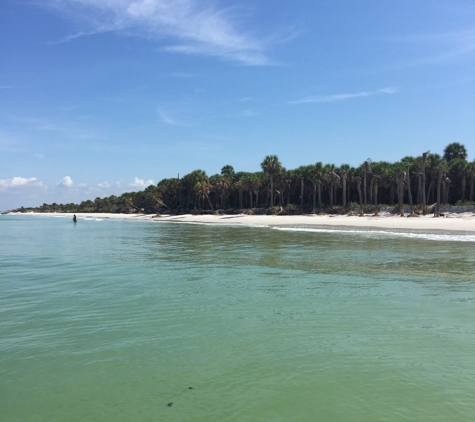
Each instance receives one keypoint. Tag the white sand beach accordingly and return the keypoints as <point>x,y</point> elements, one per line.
<point>450,222</point>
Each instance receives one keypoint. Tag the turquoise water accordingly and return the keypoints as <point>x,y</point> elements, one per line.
<point>108,320</point>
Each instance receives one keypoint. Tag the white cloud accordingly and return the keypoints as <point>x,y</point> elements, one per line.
<point>104,185</point>
<point>166,119</point>
<point>440,49</point>
<point>189,26</point>
<point>342,97</point>
<point>140,183</point>
<point>65,182</point>
<point>17,182</point>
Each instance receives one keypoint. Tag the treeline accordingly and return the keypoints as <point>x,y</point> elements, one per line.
<point>415,181</point>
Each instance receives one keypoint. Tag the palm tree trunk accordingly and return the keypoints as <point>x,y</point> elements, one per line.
<point>271,190</point>
<point>391,194</point>
<point>472,182</point>
<point>371,189</point>
<point>344,192</point>
<point>464,185</point>
<point>439,182</point>
<point>409,193</point>
<point>419,191</point>
<point>375,184</point>
<point>358,187</point>
<point>444,190</point>
<point>301,194</point>
<point>364,186</point>
<point>314,196</point>
<point>209,202</point>
<point>348,194</point>
<point>424,198</point>
<point>319,186</point>
<point>331,193</point>
<point>430,191</point>
<point>400,192</point>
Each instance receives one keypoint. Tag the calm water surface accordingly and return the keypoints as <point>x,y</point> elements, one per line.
<point>109,320</point>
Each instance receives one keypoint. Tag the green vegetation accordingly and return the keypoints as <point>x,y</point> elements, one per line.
<point>428,179</point>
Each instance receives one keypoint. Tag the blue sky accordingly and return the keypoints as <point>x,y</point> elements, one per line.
<point>99,97</point>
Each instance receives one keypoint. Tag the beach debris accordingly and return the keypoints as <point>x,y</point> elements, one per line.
<point>170,404</point>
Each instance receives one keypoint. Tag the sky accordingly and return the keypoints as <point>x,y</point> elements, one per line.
<point>101,97</point>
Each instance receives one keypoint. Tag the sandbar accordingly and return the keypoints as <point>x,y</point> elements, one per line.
<point>460,222</point>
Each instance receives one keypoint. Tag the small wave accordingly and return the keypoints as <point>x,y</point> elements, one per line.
<point>205,223</point>
<point>380,233</point>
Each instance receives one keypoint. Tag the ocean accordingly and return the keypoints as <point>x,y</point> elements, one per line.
<point>119,320</point>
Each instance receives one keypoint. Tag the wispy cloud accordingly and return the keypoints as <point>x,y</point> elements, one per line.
<point>441,48</point>
<point>343,97</point>
<point>78,35</point>
<point>165,118</point>
<point>66,130</point>
<point>187,26</point>
<point>103,185</point>
<point>184,75</point>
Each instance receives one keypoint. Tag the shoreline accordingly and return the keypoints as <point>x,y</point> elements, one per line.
<point>464,222</point>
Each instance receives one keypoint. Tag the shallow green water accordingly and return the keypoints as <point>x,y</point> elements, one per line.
<point>112,320</point>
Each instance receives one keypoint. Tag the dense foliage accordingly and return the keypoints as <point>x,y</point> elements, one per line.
<point>416,181</point>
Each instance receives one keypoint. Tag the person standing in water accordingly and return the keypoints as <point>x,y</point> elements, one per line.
<point>75,220</point>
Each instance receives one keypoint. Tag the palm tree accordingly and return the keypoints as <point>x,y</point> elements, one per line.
<point>366,170</point>
<point>343,176</point>
<point>257,179</point>
<point>439,183</point>
<point>459,169</point>
<point>239,186</point>
<point>272,167</point>
<point>400,176</point>
<point>221,184</point>
<point>455,150</point>
<point>315,176</point>
<point>286,179</point>
<point>375,178</point>
<point>193,190</point>
<point>472,179</point>
<point>360,196</point>
<point>434,161</point>
<point>152,197</point>
<point>228,172</point>
<point>439,169</point>
<point>303,173</point>
<point>423,182</point>
<point>332,179</point>
<point>409,193</point>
